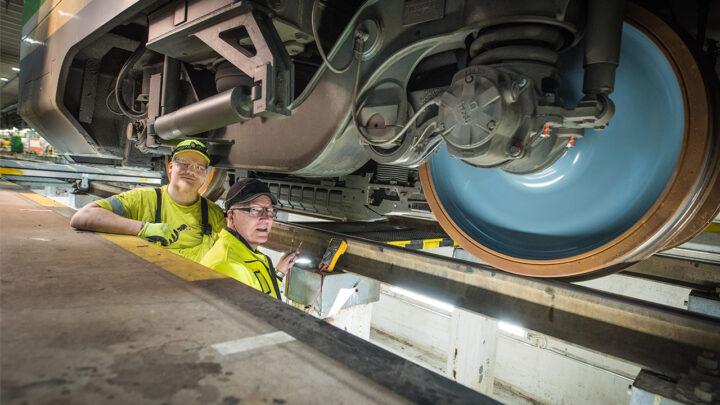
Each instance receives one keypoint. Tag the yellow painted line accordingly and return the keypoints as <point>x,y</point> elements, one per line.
<point>401,243</point>
<point>10,171</point>
<point>184,268</point>
<point>713,228</point>
<point>42,200</point>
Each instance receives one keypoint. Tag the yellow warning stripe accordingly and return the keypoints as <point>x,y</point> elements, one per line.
<point>713,228</point>
<point>184,268</point>
<point>42,200</point>
<point>10,171</point>
<point>426,243</point>
<point>431,243</point>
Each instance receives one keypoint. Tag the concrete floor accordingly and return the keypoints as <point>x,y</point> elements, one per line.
<point>87,319</point>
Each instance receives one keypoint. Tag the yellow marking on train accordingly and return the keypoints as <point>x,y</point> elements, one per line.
<point>431,243</point>
<point>42,200</point>
<point>181,267</point>
<point>426,243</point>
<point>11,171</point>
<point>713,228</point>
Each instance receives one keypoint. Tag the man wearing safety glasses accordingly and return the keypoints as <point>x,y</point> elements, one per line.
<point>250,211</point>
<point>174,216</point>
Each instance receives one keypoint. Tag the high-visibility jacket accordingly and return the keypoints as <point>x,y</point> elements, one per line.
<point>142,204</point>
<point>231,255</point>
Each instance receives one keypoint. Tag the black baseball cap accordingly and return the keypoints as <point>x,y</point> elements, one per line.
<point>246,190</point>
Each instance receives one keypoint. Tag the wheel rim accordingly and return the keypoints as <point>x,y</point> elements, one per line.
<point>615,196</point>
<point>214,184</point>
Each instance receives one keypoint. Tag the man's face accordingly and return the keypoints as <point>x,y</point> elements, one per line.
<point>255,230</point>
<point>187,172</point>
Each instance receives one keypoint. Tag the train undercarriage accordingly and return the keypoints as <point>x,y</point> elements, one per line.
<point>547,138</point>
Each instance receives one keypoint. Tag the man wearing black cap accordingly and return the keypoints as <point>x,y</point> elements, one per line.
<point>250,213</point>
<point>174,216</point>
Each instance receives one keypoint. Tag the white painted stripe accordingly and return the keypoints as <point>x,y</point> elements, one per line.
<point>252,343</point>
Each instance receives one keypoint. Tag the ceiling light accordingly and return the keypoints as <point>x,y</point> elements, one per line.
<point>16,69</point>
<point>5,79</point>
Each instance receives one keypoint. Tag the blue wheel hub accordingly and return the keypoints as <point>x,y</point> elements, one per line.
<point>596,190</point>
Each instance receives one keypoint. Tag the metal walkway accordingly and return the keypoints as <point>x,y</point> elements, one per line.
<point>92,318</point>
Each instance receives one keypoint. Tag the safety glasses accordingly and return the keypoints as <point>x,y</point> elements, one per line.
<point>185,165</point>
<point>258,212</point>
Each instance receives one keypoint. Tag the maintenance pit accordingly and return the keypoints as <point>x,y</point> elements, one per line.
<point>124,320</point>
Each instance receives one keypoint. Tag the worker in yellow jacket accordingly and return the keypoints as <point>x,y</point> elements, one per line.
<point>174,216</point>
<point>250,213</point>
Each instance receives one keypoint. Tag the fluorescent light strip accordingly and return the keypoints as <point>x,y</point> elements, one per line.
<point>512,329</point>
<point>425,300</point>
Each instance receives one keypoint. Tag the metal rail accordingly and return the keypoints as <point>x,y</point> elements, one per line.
<point>689,272</point>
<point>656,337</point>
<point>18,170</point>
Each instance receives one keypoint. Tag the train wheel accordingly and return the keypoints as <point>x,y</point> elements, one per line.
<point>214,185</point>
<point>647,182</point>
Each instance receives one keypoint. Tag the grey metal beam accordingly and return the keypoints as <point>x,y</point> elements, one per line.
<point>89,90</point>
<point>653,336</point>
<point>25,169</point>
<point>690,273</point>
<point>83,176</point>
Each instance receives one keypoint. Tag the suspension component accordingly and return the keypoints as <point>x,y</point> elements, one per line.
<point>502,107</point>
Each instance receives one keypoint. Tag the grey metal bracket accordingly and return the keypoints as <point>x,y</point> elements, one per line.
<point>705,302</point>
<point>84,182</point>
<point>269,65</point>
<point>700,385</point>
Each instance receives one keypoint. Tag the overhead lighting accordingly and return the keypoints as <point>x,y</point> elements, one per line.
<point>5,79</point>
<point>16,69</point>
<point>424,299</point>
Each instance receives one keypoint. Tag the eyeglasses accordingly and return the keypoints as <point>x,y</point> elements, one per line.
<point>258,212</point>
<point>184,165</point>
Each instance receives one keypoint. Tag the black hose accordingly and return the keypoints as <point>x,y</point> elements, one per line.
<point>128,111</point>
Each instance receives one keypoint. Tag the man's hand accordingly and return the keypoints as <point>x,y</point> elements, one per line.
<point>161,232</point>
<point>286,262</point>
